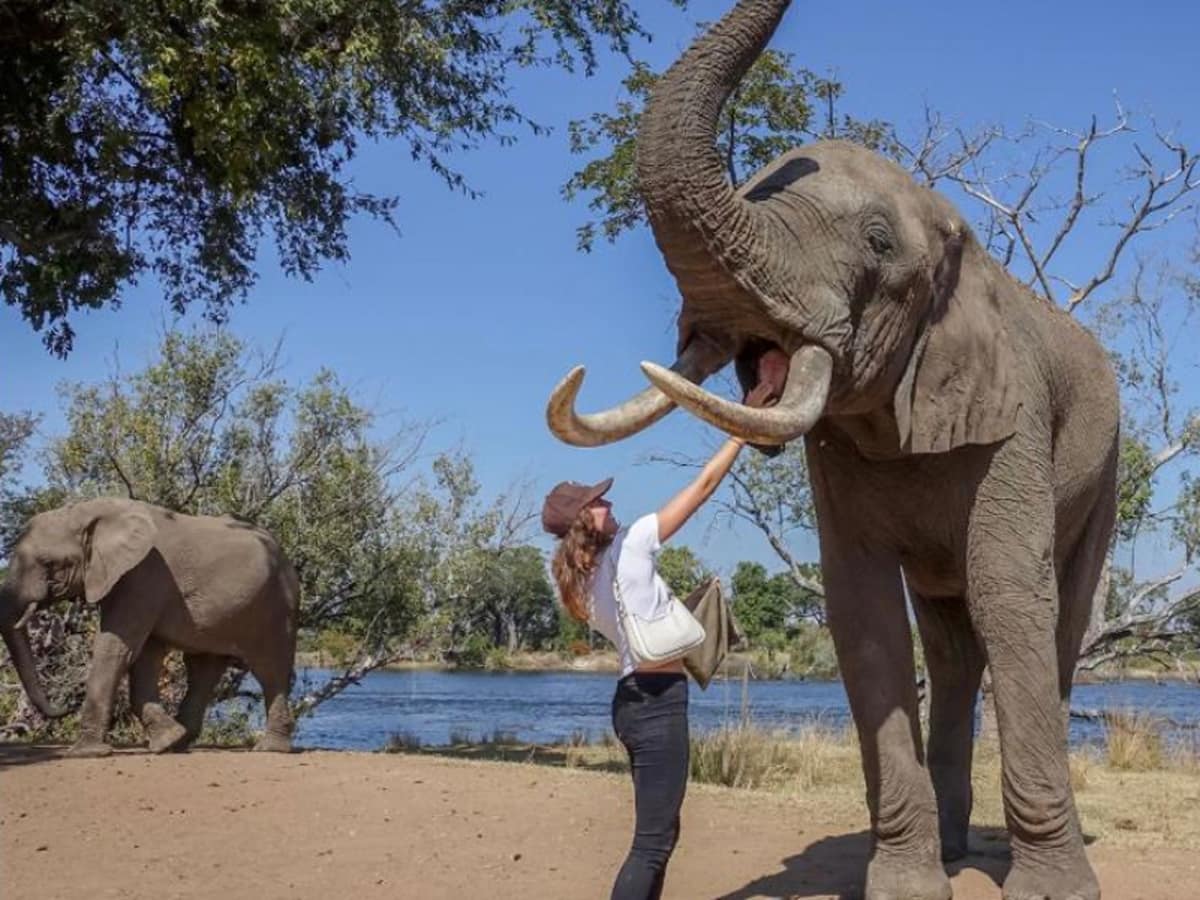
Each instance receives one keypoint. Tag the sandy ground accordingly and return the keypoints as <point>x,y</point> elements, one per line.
<point>232,825</point>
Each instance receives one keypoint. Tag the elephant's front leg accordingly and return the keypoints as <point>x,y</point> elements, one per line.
<point>123,630</point>
<point>867,616</point>
<point>111,656</point>
<point>1013,599</point>
<point>162,731</point>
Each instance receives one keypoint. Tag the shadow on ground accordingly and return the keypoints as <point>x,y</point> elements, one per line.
<point>28,754</point>
<point>837,865</point>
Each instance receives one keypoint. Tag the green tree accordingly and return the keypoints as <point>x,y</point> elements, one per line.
<point>770,604</point>
<point>477,578</point>
<point>15,431</point>
<point>513,603</point>
<point>169,137</point>
<point>681,569</point>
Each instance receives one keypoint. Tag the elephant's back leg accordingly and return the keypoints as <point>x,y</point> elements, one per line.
<point>954,665</point>
<point>272,668</point>
<point>204,671</point>
<point>1079,574</point>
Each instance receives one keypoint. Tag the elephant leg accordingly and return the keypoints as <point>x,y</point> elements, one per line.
<point>866,611</point>
<point>204,671</point>
<point>123,631</point>
<point>1077,588</point>
<point>162,731</point>
<point>954,663</point>
<point>1014,604</point>
<point>274,676</point>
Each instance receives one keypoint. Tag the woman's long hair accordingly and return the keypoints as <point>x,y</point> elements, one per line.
<point>575,560</point>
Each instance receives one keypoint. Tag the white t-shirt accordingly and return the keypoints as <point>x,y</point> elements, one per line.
<point>630,558</point>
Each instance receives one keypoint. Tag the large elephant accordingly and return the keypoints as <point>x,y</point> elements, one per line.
<point>215,588</point>
<point>961,437</point>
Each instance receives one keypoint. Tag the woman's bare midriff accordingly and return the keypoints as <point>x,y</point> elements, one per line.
<point>675,665</point>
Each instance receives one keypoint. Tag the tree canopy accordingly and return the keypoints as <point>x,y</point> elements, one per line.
<point>170,137</point>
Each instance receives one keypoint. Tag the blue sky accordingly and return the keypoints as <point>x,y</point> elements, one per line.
<point>473,313</point>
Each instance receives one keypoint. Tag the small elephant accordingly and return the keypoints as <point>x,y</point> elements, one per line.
<point>215,588</point>
<point>961,436</point>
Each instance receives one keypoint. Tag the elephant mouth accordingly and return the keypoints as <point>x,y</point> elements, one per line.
<point>761,361</point>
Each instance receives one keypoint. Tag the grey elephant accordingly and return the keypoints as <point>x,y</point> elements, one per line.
<point>961,437</point>
<point>215,588</point>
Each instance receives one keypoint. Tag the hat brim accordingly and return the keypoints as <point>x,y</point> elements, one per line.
<point>596,491</point>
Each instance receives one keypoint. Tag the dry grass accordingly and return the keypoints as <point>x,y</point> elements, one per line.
<point>1133,740</point>
<point>745,756</point>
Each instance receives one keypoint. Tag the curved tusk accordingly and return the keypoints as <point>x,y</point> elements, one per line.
<point>696,362</point>
<point>802,403</point>
<point>26,616</point>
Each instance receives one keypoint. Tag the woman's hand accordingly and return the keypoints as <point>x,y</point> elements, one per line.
<point>762,394</point>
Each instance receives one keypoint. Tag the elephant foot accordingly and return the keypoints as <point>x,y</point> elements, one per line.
<point>895,879</point>
<point>86,748</point>
<point>166,735</point>
<point>273,743</point>
<point>185,744</point>
<point>1073,881</point>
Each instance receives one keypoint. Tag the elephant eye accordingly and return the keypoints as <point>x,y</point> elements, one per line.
<point>879,239</point>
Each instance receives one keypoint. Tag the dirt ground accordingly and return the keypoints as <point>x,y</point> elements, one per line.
<point>232,825</point>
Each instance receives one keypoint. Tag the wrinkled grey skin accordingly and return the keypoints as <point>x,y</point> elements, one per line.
<point>215,588</point>
<point>964,443</point>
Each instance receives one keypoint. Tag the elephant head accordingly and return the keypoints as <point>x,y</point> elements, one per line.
<point>80,549</point>
<point>858,292</point>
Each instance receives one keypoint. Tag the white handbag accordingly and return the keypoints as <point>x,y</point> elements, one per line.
<point>670,636</point>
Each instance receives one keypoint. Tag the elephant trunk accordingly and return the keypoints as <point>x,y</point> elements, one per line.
<point>718,245</point>
<point>17,641</point>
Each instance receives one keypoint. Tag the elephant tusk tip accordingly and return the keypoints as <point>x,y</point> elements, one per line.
<point>653,369</point>
<point>570,383</point>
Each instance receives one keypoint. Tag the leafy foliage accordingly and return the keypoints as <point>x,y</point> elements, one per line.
<point>1135,486</point>
<point>767,604</point>
<point>681,569</point>
<point>169,137</point>
<point>15,431</point>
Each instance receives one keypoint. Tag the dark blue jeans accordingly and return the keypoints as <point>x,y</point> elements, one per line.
<point>649,712</point>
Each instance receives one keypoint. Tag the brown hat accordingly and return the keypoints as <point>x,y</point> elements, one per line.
<point>563,504</point>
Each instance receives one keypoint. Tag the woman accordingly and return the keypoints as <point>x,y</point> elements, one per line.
<point>649,709</point>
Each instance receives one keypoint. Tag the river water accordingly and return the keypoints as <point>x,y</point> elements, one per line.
<point>545,707</point>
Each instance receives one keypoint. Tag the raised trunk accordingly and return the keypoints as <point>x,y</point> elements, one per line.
<point>725,254</point>
<point>17,641</point>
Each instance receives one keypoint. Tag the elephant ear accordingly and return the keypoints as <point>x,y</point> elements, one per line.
<point>960,386</point>
<point>117,537</point>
